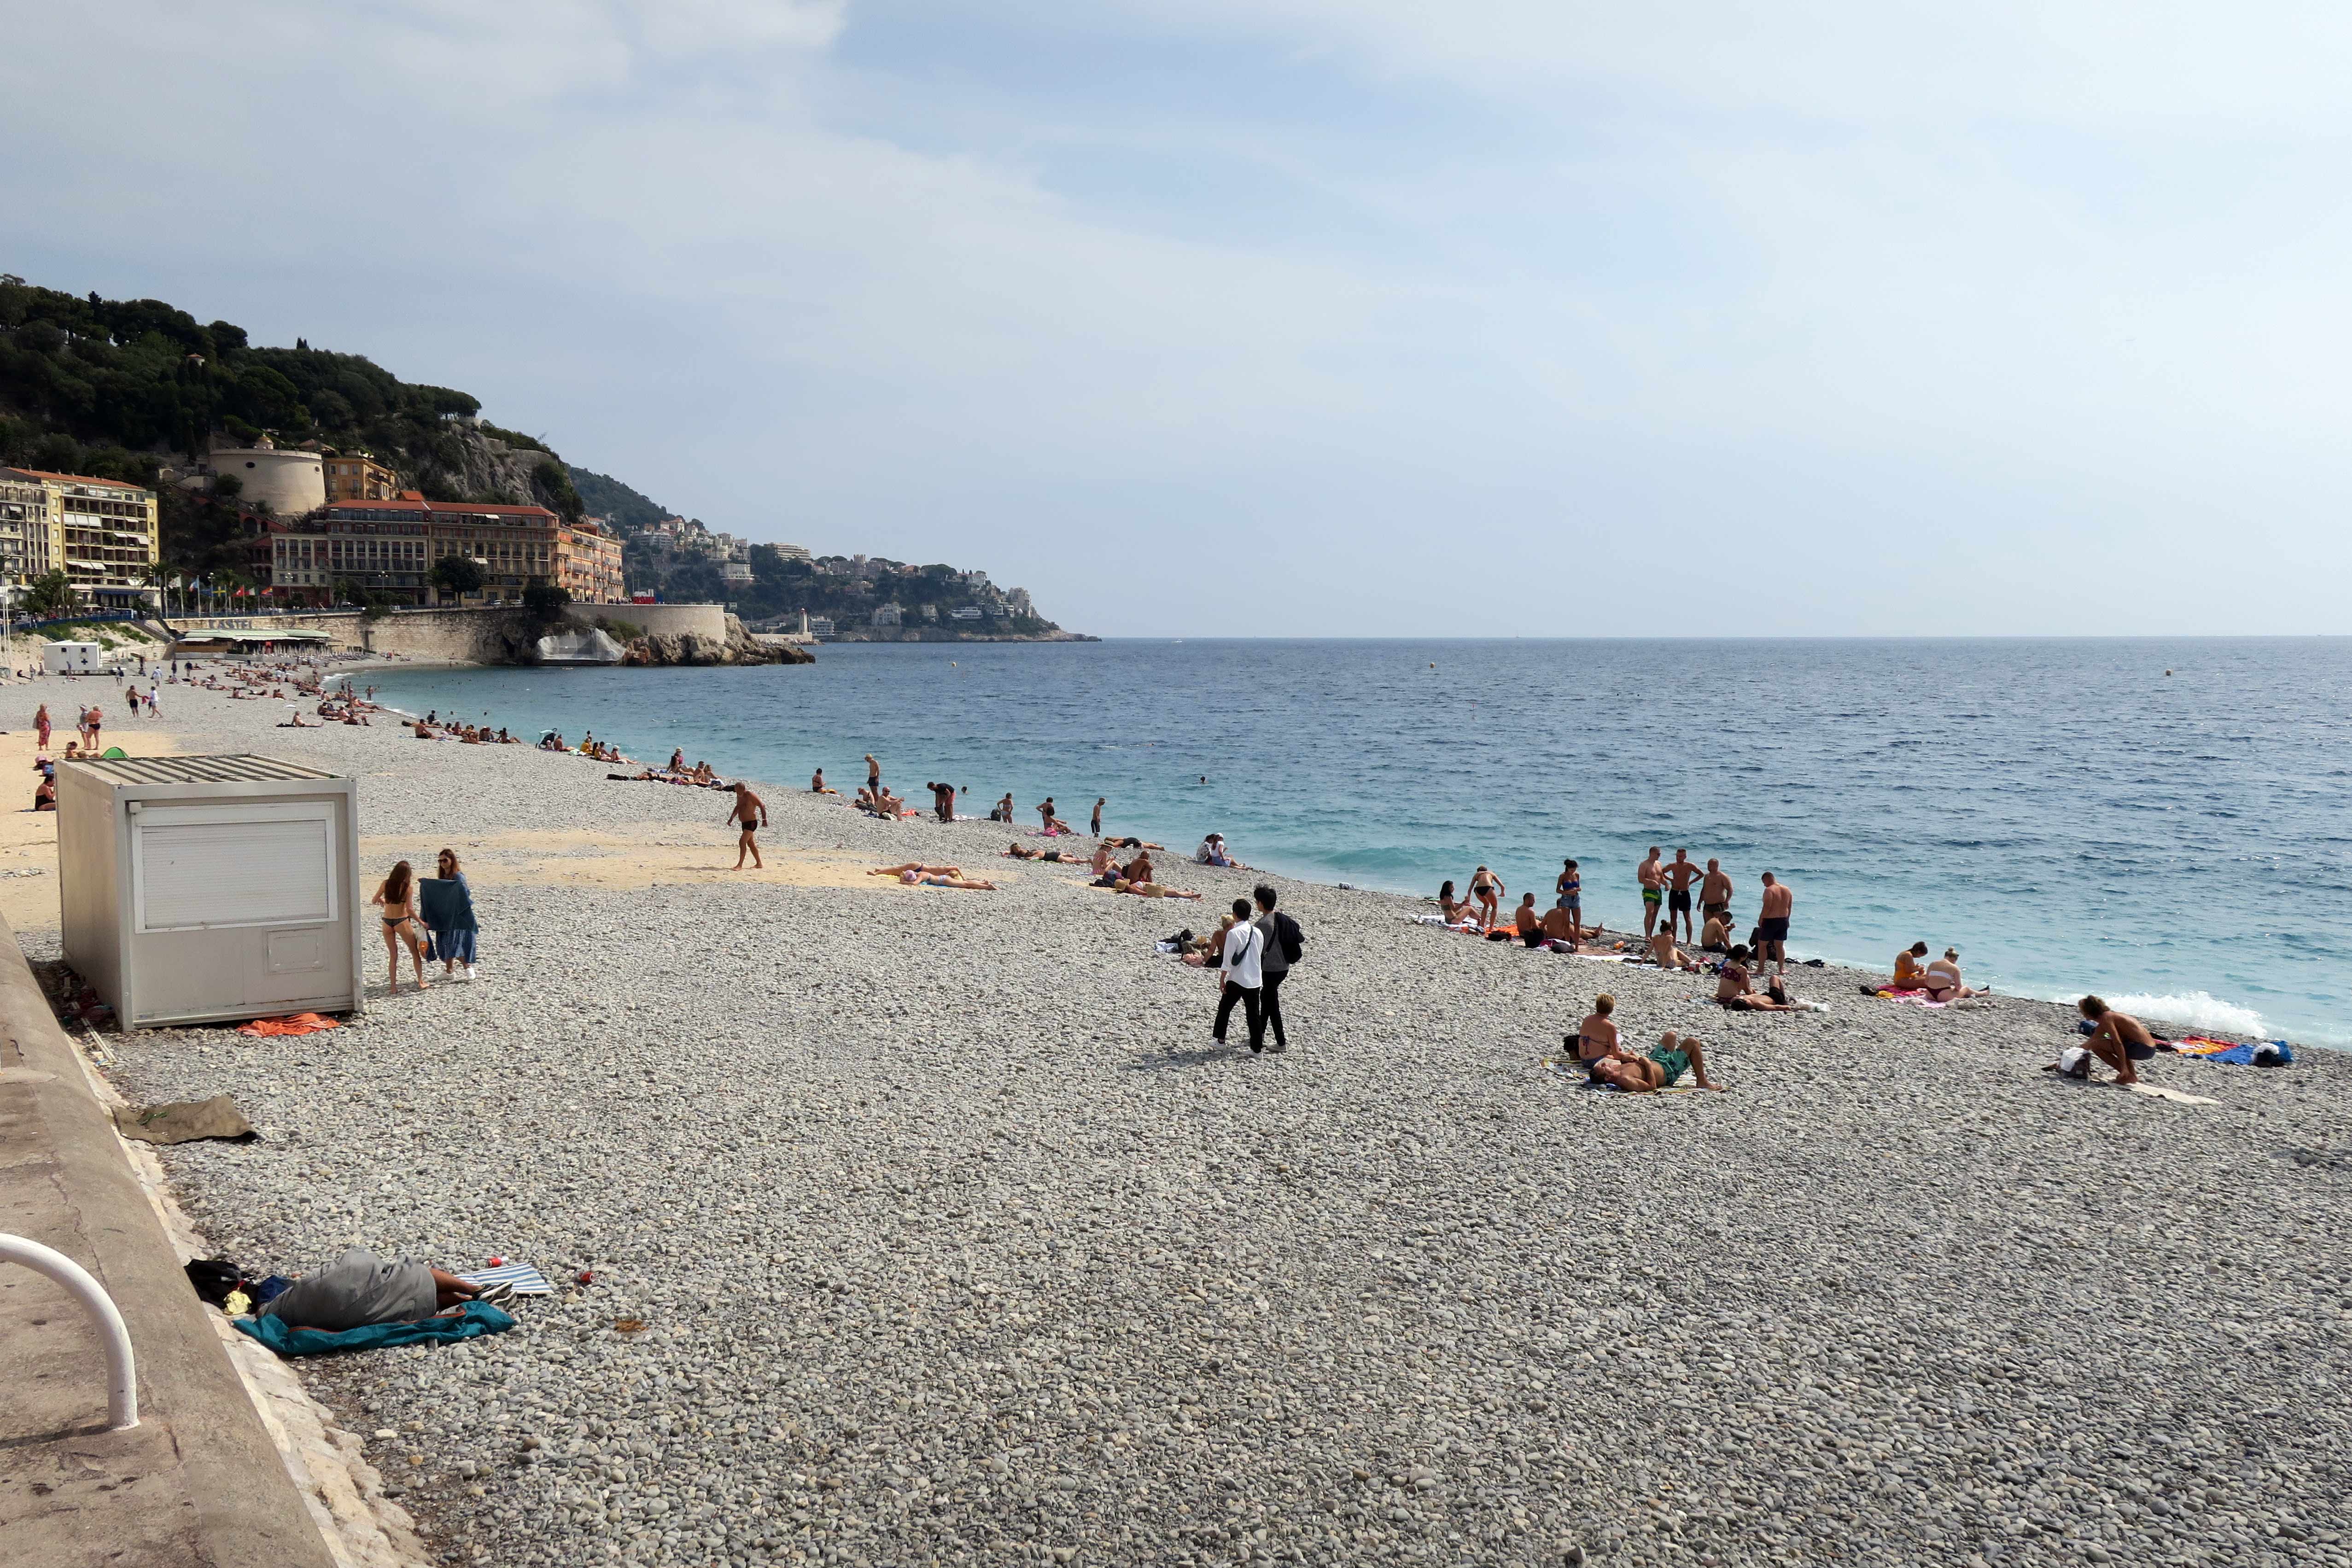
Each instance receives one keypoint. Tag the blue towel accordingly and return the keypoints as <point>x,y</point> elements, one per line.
<point>2243,1055</point>
<point>447,904</point>
<point>477,1319</point>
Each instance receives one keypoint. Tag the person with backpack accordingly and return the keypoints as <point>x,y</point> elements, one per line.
<point>1241,963</point>
<point>1284,943</point>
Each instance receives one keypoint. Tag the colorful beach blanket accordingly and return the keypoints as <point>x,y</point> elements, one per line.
<point>2228,1052</point>
<point>477,1319</point>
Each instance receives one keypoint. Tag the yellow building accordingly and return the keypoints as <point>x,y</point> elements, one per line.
<point>590,562</point>
<point>102,531</point>
<point>356,477</point>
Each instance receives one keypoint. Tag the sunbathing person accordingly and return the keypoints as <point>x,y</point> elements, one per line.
<point>935,879</point>
<point>1666,954</point>
<point>1734,990</point>
<point>817,786</point>
<point>916,866</point>
<point>1659,1068</point>
<point>1021,853</point>
<point>1596,1038</point>
<point>1715,936</point>
<point>1148,889</point>
<point>1561,925</point>
<point>1942,979</point>
<point>1457,911</point>
<point>1208,953</point>
<point>2116,1038</point>
<point>359,1289</point>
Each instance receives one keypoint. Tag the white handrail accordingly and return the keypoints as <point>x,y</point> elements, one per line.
<point>122,1379</point>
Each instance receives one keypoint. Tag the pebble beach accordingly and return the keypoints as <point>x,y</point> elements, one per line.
<point>929,1226</point>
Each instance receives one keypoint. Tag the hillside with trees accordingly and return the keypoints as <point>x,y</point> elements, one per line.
<point>138,390</point>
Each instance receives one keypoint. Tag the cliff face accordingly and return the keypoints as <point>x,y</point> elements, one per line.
<point>467,462</point>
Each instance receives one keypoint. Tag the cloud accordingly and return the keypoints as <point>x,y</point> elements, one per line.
<point>1314,318</point>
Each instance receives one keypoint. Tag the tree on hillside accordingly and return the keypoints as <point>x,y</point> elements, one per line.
<point>458,575</point>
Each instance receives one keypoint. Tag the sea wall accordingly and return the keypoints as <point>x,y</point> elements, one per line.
<point>665,634</point>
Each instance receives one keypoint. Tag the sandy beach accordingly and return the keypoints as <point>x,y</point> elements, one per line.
<point>956,1239</point>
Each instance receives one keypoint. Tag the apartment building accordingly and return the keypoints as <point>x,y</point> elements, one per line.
<point>590,559</point>
<point>24,528</point>
<point>102,531</point>
<point>389,547</point>
<point>356,477</point>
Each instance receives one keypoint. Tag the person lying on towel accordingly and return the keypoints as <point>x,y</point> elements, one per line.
<point>1659,1069</point>
<point>359,1288</point>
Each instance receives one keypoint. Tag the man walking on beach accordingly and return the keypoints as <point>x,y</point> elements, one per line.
<point>1242,965</point>
<point>1679,878</point>
<point>1652,878</point>
<point>1095,827</point>
<point>750,814</point>
<point>1283,939</point>
<point>1772,928</point>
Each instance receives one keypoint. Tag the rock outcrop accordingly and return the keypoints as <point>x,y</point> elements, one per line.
<point>739,647</point>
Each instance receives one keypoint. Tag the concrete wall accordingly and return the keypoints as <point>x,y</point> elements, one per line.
<point>661,619</point>
<point>470,636</point>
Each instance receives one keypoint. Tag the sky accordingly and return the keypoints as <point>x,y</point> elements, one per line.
<point>1308,317</point>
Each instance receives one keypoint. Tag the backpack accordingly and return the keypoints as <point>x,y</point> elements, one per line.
<point>1294,940</point>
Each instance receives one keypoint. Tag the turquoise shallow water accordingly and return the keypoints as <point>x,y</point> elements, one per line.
<point>2063,811</point>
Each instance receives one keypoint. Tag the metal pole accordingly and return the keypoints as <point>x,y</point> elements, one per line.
<point>121,1377</point>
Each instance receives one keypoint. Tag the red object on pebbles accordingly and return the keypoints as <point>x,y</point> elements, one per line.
<point>496,1263</point>
<point>587,1278</point>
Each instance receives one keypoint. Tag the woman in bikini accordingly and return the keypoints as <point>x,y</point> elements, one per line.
<point>1596,1038</point>
<point>1487,889</point>
<point>398,898</point>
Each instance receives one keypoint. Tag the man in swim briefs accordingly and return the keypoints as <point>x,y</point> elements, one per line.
<point>1679,878</point>
<point>750,814</point>
<point>2114,1036</point>
<point>1652,876</point>
<point>1715,894</point>
<point>1772,926</point>
<point>1528,923</point>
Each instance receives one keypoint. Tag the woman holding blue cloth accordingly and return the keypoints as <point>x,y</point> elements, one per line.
<point>447,905</point>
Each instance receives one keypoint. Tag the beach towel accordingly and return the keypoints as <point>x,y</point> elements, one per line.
<point>2159,1092</point>
<point>1917,998</point>
<point>292,1023</point>
<point>475,1320</point>
<point>526,1280</point>
<point>1603,957</point>
<point>2277,1051</point>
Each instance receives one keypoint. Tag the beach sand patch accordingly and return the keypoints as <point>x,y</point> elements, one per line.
<point>671,857</point>
<point>28,839</point>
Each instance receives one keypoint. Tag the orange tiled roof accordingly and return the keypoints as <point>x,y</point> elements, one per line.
<point>75,478</point>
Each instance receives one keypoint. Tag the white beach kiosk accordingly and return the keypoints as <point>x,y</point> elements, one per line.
<point>198,889</point>
<point>72,658</point>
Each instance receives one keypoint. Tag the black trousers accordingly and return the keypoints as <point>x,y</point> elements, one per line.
<point>1270,1003</point>
<point>1253,1006</point>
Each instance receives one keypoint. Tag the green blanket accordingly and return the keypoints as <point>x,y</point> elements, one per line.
<point>478,1318</point>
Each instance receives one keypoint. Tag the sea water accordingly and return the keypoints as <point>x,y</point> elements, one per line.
<point>2162,821</point>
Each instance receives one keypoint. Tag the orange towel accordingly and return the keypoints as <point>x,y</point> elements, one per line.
<point>295,1023</point>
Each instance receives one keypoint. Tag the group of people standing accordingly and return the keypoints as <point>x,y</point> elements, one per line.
<point>1254,958</point>
<point>433,918</point>
<point>1669,889</point>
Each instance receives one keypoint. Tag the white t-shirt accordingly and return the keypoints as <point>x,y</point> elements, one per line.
<point>1244,944</point>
